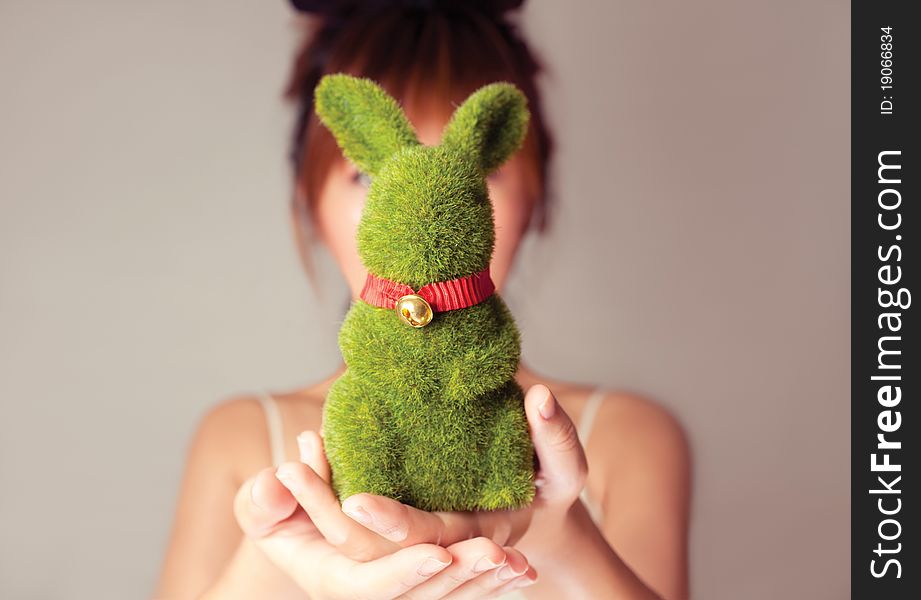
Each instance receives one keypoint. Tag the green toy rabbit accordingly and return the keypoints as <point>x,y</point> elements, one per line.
<point>428,411</point>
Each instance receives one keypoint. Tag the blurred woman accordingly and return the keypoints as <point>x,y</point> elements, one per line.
<point>257,517</point>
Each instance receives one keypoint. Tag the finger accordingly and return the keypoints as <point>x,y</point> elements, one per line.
<point>400,523</point>
<point>389,576</point>
<point>261,503</point>
<point>407,525</point>
<point>321,505</point>
<point>472,558</point>
<point>310,447</point>
<point>489,583</point>
<point>529,578</point>
<point>563,467</point>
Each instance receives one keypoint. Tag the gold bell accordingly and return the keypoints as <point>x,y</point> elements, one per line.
<point>414,310</point>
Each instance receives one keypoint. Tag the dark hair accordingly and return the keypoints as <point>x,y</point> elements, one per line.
<point>423,52</point>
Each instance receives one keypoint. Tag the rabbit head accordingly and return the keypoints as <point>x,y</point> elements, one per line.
<point>428,216</point>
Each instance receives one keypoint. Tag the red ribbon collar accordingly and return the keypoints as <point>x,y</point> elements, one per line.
<point>441,295</point>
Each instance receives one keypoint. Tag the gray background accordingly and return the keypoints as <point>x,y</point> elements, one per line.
<point>148,269</point>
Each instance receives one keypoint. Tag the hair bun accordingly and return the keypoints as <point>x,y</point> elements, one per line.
<point>339,8</point>
<point>319,7</point>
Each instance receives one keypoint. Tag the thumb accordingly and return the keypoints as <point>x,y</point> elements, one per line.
<point>261,503</point>
<point>563,467</point>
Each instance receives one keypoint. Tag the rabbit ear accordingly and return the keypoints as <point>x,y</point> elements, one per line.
<point>490,125</point>
<point>366,121</point>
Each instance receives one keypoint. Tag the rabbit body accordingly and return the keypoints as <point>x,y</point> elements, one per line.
<point>430,420</point>
<point>430,416</point>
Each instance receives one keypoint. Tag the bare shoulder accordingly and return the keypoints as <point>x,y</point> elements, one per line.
<point>641,425</point>
<point>635,438</point>
<point>642,458</point>
<point>232,434</point>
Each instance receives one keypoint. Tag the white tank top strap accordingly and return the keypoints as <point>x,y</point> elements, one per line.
<point>273,423</point>
<point>584,429</point>
<point>587,419</point>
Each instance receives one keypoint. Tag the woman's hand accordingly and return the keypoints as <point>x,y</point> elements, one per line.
<point>560,479</point>
<point>292,515</point>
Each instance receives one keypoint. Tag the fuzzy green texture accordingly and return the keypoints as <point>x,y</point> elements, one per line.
<point>365,120</point>
<point>432,416</point>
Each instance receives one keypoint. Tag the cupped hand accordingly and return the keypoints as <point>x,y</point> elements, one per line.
<point>292,515</point>
<point>559,481</point>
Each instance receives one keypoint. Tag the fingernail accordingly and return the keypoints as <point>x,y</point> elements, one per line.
<point>305,446</point>
<point>431,566</point>
<point>360,515</point>
<point>547,408</point>
<point>284,475</point>
<point>524,582</point>
<point>484,564</point>
<point>506,573</point>
<point>254,495</point>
